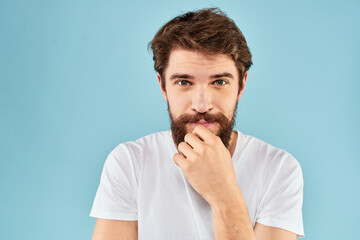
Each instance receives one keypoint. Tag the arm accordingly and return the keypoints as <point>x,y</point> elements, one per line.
<point>231,221</point>
<point>207,165</point>
<point>115,230</point>
<point>263,232</point>
<point>202,155</point>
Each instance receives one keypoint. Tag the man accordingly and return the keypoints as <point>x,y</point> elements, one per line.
<point>202,179</point>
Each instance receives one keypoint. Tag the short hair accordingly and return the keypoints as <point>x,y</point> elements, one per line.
<point>208,31</point>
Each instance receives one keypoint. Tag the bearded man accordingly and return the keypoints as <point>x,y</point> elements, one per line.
<point>202,179</point>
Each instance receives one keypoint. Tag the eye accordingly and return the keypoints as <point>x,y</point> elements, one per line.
<point>183,83</point>
<point>220,82</point>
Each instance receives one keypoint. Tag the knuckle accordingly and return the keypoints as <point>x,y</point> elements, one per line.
<point>196,127</point>
<point>195,156</point>
<point>187,137</point>
<point>214,140</point>
<point>202,150</point>
<point>209,148</point>
<point>176,157</point>
<point>217,139</point>
<point>188,167</point>
<point>181,145</point>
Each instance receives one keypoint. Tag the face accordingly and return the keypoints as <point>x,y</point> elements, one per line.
<point>201,89</point>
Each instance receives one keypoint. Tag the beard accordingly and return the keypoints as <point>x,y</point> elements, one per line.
<point>178,125</point>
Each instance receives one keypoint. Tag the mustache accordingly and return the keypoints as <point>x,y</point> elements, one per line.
<point>193,118</point>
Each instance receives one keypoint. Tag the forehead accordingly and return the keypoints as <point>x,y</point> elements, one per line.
<point>197,63</point>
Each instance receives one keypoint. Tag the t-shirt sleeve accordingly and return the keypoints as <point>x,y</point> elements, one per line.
<point>281,204</point>
<point>116,196</point>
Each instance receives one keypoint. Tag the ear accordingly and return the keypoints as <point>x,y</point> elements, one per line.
<point>163,92</point>
<point>243,86</point>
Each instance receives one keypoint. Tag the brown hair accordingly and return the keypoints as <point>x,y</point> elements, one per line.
<point>209,31</point>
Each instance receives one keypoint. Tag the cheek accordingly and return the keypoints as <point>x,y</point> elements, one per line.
<point>225,104</point>
<point>177,105</point>
<point>178,100</point>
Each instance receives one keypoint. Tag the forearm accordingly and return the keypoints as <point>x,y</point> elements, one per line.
<point>231,219</point>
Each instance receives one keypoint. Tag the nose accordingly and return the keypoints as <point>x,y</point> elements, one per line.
<point>201,100</point>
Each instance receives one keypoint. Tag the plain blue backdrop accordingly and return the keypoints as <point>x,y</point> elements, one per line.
<point>77,80</point>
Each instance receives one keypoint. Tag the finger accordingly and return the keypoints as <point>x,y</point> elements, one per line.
<point>179,160</point>
<point>193,140</point>
<point>186,149</point>
<point>204,133</point>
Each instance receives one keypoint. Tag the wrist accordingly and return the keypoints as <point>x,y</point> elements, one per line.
<point>234,201</point>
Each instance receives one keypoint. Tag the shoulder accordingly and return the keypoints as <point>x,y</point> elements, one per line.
<point>128,156</point>
<point>154,138</point>
<point>280,188</point>
<point>264,150</point>
<point>274,161</point>
<point>144,145</point>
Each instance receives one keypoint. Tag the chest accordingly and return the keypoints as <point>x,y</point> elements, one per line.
<point>169,208</point>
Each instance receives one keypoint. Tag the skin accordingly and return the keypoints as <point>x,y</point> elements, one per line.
<point>106,229</point>
<point>206,163</point>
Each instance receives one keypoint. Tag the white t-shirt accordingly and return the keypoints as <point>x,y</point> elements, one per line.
<point>140,181</point>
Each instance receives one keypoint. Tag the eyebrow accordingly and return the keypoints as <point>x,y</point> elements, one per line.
<point>221,75</point>
<point>187,76</point>
<point>180,75</point>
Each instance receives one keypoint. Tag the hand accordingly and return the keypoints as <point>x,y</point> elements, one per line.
<point>207,165</point>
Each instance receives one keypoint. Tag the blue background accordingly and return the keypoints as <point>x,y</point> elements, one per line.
<point>77,79</point>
